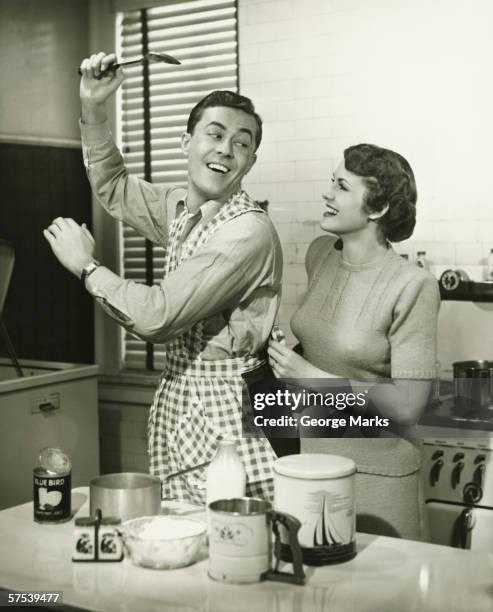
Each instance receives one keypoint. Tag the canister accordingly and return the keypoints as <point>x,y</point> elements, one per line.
<point>318,490</point>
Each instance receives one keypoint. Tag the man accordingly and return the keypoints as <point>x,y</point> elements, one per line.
<point>217,302</point>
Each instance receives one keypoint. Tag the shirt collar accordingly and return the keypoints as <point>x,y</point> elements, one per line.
<point>206,212</point>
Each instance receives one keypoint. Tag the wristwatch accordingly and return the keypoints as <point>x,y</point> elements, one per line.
<point>89,269</point>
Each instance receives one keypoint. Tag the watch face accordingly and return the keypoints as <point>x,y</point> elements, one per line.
<point>88,270</point>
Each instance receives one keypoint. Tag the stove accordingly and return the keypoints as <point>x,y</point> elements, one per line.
<point>446,412</point>
<point>458,441</point>
<point>458,476</point>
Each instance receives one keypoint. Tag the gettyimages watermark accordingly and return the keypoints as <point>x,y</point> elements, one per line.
<point>326,408</point>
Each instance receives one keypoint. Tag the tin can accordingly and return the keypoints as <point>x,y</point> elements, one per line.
<point>318,490</point>
<point>52,485</point>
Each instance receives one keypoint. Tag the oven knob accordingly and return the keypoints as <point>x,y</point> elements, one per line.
<point>479,458</point>
<point>478,475</point>
<point>472,493</point>
<point>466,525</point>
<point>435,472</point>
<point>458,456</point>
<point>437,454</point>
<point>456,472</point>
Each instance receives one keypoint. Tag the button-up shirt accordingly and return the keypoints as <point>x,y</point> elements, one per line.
<point>233,282</point>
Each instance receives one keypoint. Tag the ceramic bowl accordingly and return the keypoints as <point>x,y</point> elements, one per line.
<point>164,542</point>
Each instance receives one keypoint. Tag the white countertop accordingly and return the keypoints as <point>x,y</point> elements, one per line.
<point>387,575</point>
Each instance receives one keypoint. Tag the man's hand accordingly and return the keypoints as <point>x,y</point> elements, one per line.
<point>72,244</point>
<point>95,91</point>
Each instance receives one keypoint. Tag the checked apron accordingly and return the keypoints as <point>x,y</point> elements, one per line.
<point>197,401</point>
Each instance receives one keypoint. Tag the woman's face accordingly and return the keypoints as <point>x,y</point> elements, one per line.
<point>344,210</point>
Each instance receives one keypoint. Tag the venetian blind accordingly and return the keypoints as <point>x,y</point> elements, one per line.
<point>202,34</point>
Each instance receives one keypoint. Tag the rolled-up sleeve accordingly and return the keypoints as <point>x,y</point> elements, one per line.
<point>125,197</point>
<point>237,260</point>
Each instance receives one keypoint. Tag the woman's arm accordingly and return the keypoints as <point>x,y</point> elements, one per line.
<point>402,401</point>
<point>412,337</point>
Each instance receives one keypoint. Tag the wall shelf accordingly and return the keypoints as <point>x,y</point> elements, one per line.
<point>469,291</point>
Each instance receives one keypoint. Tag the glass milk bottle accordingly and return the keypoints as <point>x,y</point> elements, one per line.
<point>226,475</point>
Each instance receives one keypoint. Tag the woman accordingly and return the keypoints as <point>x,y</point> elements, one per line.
<point>369,315</point>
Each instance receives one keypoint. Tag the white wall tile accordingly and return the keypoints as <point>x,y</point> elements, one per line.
<point>469,253</point>
<point>275,172</point>
<point>295,192</point>
<point>323,72</point>
<point>295,150</point>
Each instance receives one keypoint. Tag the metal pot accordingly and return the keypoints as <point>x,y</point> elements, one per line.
<point>473,384</point>
<point>126,495</point>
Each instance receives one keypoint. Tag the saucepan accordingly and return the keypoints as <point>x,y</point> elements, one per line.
<point>125,495</point>
<point>473,384</point>
<point>128,495</point>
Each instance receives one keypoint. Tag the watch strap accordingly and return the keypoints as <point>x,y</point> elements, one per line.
<point>89,269</point>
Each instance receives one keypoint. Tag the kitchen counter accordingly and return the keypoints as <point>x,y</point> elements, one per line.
<point>388,574</point>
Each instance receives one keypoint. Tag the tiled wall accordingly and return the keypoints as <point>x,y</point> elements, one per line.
<point>123,413</point>
<point>407,75</point>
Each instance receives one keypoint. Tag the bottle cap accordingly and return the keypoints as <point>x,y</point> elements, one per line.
<point>54,460</point>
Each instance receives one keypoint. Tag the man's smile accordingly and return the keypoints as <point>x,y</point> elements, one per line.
<point>218,167</point>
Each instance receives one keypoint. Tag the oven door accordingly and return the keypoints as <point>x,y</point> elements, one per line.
<point>460,526</point>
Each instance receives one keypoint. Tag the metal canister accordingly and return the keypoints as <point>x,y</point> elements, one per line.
<point>52,484</point>
<point>318,490</point>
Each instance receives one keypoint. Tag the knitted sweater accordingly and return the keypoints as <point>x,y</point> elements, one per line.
<point>367,321</point>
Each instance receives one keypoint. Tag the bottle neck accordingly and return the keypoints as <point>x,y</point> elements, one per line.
<point>227,448</point>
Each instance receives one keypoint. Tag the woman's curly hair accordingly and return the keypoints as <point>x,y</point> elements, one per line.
<point>389,179</point>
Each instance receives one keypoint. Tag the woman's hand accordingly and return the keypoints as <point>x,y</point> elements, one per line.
<point>285,363</point>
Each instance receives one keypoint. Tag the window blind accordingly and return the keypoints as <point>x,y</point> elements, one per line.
<point>154,106</point>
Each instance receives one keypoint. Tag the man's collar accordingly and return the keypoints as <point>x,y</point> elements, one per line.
<point>206,212</point>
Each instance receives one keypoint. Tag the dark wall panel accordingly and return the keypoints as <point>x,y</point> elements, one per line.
<point>48,314</point>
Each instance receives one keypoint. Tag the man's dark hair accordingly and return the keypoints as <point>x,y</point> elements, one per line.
<point>229,99</point>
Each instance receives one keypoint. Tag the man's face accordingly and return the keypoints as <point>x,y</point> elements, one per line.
<point>220,152</point>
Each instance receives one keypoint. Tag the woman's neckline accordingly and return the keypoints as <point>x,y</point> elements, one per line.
<point>376,263</point>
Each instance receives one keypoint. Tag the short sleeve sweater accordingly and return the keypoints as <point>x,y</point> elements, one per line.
<point>367,321</point>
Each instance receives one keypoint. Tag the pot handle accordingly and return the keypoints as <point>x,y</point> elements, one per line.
<point>292,526</point>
